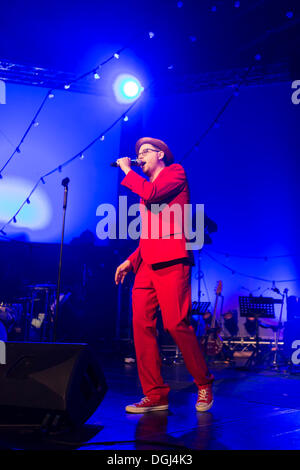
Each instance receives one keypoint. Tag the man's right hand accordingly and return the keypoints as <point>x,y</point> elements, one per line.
<point>122,270</point>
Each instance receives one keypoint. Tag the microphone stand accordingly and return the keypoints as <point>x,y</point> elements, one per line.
<point>64,183</point>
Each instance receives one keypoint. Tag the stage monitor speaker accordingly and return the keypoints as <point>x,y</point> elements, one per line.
<point>49,384</point>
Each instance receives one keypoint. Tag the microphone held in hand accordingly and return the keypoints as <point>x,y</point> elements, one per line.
<point>134,162</point>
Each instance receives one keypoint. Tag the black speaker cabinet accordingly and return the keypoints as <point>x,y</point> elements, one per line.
<point>49,384</point>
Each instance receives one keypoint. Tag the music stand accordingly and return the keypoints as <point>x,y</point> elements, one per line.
<point>257,307</point>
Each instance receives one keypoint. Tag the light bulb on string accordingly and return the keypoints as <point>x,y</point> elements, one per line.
<point>67,86</point>
<point>116,55</point>
<point>125,118</point>
<point>102,138</point>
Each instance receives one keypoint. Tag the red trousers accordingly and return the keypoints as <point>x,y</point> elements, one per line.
<point>170,288</point>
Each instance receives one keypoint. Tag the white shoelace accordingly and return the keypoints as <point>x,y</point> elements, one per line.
<point>144,401</point>
<point>202,394</point>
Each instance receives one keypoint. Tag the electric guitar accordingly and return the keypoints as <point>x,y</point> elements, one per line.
<point>211,341</point>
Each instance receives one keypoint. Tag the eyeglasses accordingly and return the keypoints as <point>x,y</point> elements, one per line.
<point>146,151</point>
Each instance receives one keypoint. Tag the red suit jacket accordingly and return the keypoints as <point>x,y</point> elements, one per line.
<point>166,241</point>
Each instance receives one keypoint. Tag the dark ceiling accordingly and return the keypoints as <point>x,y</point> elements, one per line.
<point>194,37</point>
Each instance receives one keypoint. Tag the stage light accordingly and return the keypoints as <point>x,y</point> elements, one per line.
<point>127,88</point>
<point>250,325</point>
<point>231,322</point>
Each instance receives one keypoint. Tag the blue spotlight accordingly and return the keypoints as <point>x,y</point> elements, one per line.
<point>127,88</point>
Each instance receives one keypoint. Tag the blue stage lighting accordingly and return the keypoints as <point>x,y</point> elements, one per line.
<point>35,215</point>
<point>127,88</point>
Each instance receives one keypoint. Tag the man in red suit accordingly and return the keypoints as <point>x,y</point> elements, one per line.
<point>161,264</point>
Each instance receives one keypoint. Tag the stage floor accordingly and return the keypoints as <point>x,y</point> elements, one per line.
<point>252,410</point>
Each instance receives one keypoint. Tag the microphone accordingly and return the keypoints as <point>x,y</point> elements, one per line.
<point>275,289</point>
<point>134,162</point>
<point>65,182</point>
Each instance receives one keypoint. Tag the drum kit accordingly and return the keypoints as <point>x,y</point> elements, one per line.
<point>31,317</point>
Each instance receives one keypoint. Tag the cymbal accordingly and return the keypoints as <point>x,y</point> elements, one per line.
<point>42,286</point>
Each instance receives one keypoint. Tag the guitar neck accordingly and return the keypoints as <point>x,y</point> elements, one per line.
<point>218,293</point>
<point>213,322</point>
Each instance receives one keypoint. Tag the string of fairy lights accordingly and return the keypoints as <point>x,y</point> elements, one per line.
<point>96,72</point>
<point>263,258</point>
<point>79,155</point>
<point>249,276</point>
<point>216,121</point>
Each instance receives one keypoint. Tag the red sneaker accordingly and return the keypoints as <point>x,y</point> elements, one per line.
<point>205,398</point>
<point>148,404</point>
